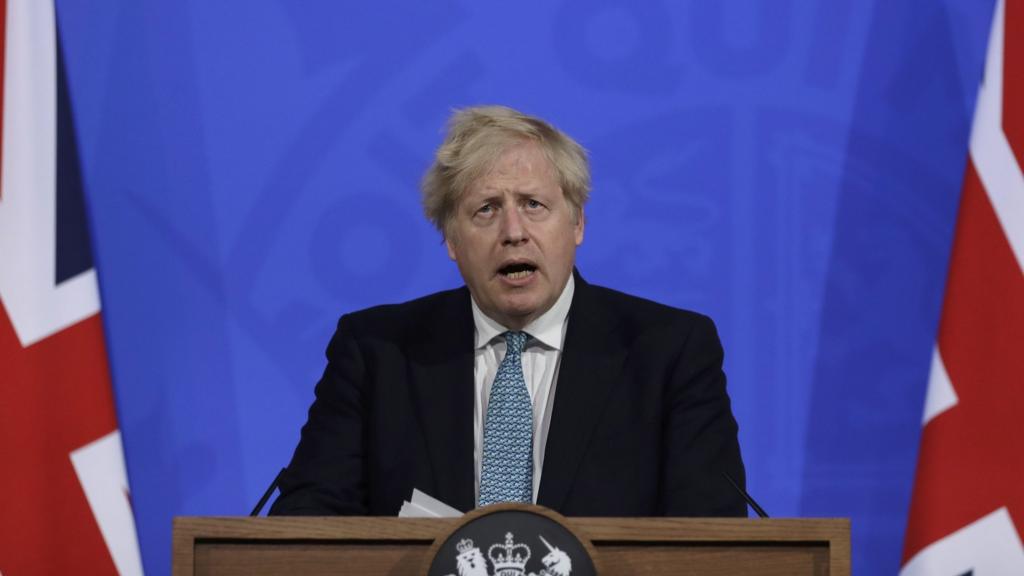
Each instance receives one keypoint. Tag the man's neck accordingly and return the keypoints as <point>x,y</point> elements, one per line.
<point>547,327</point>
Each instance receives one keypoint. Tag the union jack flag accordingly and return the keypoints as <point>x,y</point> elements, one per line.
<point>967,509</point>
<point>64,505</point>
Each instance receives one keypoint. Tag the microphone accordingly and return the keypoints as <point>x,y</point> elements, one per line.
<point>270,490</point>
<point>760,511</point>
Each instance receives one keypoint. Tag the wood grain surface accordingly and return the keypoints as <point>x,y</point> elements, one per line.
<point>624,546</point>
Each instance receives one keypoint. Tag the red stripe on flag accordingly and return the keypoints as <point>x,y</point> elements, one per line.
<point>1013,79</point>
<point>969,463</point>
<point>56,398</point>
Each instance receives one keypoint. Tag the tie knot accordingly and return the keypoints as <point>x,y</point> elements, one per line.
<point>515,342</point>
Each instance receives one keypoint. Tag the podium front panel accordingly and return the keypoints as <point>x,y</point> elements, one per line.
<point>625,546</point>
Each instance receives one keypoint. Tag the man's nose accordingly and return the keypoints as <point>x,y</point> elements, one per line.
<point>512,229</point>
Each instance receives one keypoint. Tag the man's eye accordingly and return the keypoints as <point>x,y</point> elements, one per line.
<point>486,209</point>
<point>533,204</point>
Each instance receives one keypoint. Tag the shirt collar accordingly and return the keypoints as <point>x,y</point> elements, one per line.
<point>548,328</point>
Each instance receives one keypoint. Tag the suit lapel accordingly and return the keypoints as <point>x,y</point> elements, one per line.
<point>442,382</point>
<point>590,365</point>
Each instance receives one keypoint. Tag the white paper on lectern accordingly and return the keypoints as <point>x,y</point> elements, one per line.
<point>422,505</point>
<point>410,510</point>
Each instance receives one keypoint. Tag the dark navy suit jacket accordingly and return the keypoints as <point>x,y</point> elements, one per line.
<point>641,423</point>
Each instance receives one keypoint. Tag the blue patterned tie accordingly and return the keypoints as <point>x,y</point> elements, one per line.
<point>506,473</point>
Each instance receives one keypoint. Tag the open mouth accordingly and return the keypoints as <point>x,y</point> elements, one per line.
<point>517,271</point>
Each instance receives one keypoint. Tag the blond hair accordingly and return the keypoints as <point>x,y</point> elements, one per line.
<point>476,137</point>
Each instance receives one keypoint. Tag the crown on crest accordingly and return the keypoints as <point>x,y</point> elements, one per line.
<point>464,545</point>
<point>509,559</point>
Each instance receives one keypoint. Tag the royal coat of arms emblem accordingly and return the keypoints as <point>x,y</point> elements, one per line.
<point>509,559</point>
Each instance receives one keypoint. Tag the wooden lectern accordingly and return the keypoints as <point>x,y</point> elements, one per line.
<point>623,546</point>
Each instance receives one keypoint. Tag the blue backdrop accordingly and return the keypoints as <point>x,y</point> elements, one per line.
<point>791,168</point>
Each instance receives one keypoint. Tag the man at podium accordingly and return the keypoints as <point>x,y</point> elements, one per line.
<point>528,384</point>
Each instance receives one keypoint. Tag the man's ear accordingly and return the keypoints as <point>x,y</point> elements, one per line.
<point>450,244</point>
<point>580,221</point>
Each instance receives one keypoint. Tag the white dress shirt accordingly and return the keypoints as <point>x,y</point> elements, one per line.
<point>541,357</point>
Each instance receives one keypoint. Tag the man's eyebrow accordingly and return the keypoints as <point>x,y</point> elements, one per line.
<point>474,200</point>
<point>527,191</point>
<point>497,192</point>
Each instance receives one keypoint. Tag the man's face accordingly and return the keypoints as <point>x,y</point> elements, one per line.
<point>514,237</point>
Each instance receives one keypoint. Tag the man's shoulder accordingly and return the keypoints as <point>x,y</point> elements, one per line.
<point>639,309</point>
<point>632,317</point>
<point>654,333</point>
<point>424,313</point>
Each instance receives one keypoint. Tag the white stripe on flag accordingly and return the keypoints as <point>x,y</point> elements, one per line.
<point>990,150</point>
<point>941,395</point>
<point>100,469</point>
<point>37,308</point>
<point>987,546</point>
